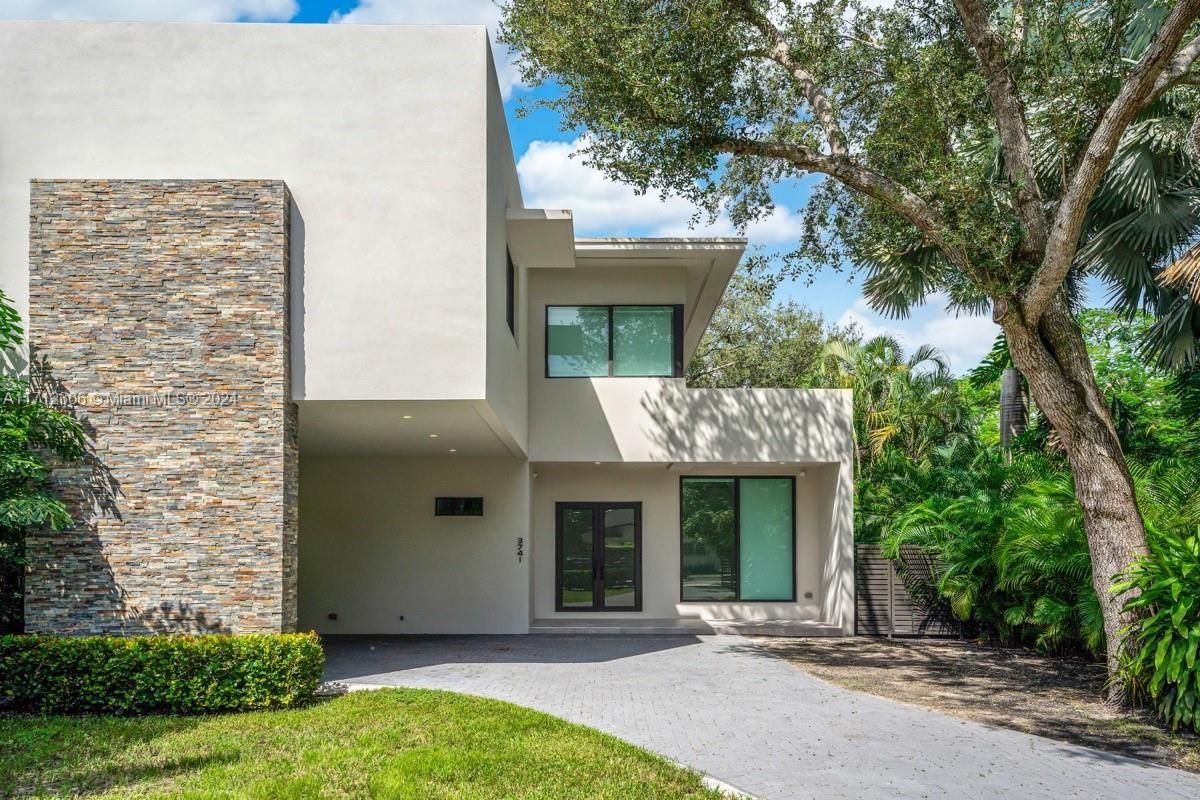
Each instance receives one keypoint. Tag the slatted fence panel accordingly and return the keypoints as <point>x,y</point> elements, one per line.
<point>898,602</point>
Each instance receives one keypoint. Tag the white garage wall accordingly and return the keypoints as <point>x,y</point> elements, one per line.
<point>371,549</point>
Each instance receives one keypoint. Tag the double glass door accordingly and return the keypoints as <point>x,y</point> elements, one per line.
<point>598,555</point>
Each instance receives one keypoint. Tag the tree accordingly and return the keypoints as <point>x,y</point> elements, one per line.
<point>31,435</point>
<point>922,119</point>
<point>755,342</point>
<point>908,404</point>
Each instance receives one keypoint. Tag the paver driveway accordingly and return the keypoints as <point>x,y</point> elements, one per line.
<point>726,707</point>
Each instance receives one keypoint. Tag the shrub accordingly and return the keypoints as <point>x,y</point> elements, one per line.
<point>1164,661</point>
<point>181,674</point>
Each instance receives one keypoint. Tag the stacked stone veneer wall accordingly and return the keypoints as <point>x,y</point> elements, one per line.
<point>159,314</point>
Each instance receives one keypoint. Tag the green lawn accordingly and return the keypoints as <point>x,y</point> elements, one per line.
<point>402,743</point>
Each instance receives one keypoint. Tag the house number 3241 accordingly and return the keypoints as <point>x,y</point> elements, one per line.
<point>520,549</point>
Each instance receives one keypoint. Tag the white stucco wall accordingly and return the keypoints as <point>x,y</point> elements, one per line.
<point>506,383</point>
<point>660,419</point>
<point>657,488</point>
<point>379,132</point>
<point>372,550</point>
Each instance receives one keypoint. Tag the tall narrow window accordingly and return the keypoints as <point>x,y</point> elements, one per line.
<point>709,539</point>
<point>510,293</point>
<point>737,539</point>
<point>620,341</point>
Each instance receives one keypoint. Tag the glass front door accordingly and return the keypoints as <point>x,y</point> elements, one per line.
<point>598,557</point>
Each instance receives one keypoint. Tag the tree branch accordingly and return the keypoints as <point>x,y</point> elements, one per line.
<point>1135,94</point>
<point>777,50</point>
<point>1010,125</point>
<point>1176,72</point>
<point>896,196</point>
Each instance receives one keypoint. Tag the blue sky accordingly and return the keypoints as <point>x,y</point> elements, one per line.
<point>550,177</point>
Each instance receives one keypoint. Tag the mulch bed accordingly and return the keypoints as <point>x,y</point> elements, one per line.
<point>1059,698</point>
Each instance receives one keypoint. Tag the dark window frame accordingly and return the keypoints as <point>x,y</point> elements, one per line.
<point>737,537</point>
<point>449,506</point>
<point>676,335</point>
<point>510,293</point>
<point>597,508</point>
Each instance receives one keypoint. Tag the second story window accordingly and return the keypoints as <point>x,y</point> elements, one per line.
<point>618,341</point>
<point>510,293</point>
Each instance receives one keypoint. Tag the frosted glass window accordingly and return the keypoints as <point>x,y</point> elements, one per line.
<point>576,341</point>
<point>765,555</point>
<point>643,341</point>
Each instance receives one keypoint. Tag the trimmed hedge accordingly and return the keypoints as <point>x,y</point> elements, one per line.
<point>180,674</point>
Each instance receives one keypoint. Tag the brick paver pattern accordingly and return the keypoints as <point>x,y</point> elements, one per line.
<point>724,706</point>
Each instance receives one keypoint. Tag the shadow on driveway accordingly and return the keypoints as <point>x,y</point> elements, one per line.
<point>351,657</point>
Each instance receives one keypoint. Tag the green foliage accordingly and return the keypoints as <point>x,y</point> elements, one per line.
<point>1149,405</point>
<point>754,342</point>
<point>904,403</point>
<point>689,97</point>
<point>1166,595</point>
<point>1005,531</point>
<point>32,436</point>
<point>179,674</point>
<point>1008,539</point>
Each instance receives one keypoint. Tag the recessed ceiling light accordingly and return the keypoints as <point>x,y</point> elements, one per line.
<point>781,463</point>
<point>433,436</point>
<point>452,450</point>
<point>597,463</point>
<point>408,416</point>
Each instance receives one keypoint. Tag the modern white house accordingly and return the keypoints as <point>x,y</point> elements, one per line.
<point>339,377</point>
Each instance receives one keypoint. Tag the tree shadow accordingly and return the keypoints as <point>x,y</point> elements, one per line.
<point>1056,697</point>
<point>70,584</point>
<point>73,755</point>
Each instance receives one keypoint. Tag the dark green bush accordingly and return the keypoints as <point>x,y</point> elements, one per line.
<point>180,674</point>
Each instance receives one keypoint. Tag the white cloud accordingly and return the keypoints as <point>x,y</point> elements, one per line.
<point>553,175</point>
<point>444,12</point>
<point>965,340</point>
<point>151,10</point>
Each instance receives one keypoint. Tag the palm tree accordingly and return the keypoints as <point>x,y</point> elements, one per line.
<point>906,404</point>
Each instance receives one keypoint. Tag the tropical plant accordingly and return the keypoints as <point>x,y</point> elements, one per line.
<point>721,100</point>
<point>1165,665</point>
<point>907,403</point>
<point>32,435</point>
<point>1007,540</point>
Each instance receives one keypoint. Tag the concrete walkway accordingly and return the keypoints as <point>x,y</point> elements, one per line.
<point>724,706</point>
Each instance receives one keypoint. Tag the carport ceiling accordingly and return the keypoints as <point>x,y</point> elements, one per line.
<point>377,427</point>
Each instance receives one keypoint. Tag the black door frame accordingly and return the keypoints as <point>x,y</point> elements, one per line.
<point>597,509</point>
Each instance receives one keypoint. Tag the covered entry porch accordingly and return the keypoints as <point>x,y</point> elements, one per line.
<point>697,548</point>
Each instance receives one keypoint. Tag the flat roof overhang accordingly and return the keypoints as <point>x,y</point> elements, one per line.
<point>708,261</point>
<point>541,238</point>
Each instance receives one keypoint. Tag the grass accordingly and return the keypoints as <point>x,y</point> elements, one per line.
<point>394,743</point>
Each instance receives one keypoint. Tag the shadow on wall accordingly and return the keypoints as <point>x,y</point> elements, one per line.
<point>754,425</point>
<point>70,586</point>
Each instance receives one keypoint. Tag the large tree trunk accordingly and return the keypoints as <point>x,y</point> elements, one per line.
<point>1055,363</point>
